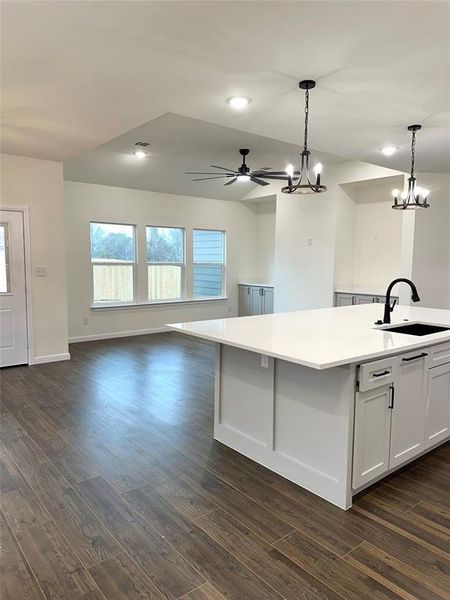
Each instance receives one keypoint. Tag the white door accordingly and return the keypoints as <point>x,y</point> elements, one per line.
<point>407,431</point>
<point>437,418</point>
<point>13,309</point>
<point>372,433</point>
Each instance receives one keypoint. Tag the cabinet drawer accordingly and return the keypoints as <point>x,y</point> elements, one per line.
<point>439,355</point>
<point>377,373</point>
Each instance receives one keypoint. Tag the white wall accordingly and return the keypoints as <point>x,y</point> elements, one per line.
<point>431,254</point>
<point>306,239</point>
<point>264,250</point>
<point>369,234</point>
<point>38,185</point>
<point>90,202</point>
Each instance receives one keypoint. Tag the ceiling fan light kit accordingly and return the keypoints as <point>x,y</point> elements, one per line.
<point>414,196</point>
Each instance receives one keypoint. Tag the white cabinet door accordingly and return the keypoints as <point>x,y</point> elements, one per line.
<point>255,301</point>
<point>437,417</point>
<point>363,299</point>
<point>344,299</point>
<point>267,301</point>
<point>407,431</point>
<point>372,432</point>
<point>244,300</point>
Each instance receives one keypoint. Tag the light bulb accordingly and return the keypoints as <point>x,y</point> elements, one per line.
<point>243,177</point>
<point>425,193</point>
<point>239,102</point>
<point>418,191</point>
<point>389,150</point>
<point>290,170</point>
<point>404,195</point>
<point>318,169</point>
<point>140,154</point>
<point>395,193</point>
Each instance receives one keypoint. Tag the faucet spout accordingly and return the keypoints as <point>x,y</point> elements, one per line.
<point>387,306</point>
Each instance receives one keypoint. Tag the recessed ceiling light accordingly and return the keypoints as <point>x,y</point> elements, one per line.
<point>140,154</point>
<point>389,150</point>
<point>239,102</point>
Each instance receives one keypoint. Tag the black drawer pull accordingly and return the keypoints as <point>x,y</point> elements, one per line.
<point>380,374</point>
<point>415,357</point>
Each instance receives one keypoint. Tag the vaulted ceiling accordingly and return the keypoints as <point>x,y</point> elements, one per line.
<point>76,75</point>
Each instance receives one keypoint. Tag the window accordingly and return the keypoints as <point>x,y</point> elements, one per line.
<point>113,258</point>
<point>165,263</point>
<point>4,259</point>
<point>209,263</point>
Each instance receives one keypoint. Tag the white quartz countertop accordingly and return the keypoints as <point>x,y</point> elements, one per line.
<point>322,338</point>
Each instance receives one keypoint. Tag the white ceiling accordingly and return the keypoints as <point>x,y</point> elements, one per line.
<point>77,74</point>
<point>180,144</point>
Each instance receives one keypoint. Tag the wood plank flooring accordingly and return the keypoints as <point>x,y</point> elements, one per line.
<point>112,488</point>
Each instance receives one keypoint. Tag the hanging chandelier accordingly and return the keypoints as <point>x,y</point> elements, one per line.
<point>414,196</point>
<point>302,182</point>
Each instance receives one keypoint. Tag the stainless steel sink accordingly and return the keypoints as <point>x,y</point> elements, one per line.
<point>415,328</point>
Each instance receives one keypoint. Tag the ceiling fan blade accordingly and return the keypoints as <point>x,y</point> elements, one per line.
<point>223,168</point>
<point>231,181</point>
<point>208,178</point>
<point>280,173</point>
<point>206,173</point>
<point>259,181</point>
<point>264,169</point>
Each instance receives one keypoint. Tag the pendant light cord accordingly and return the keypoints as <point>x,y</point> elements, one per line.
<point>413,152</point>
<point>306,119</point>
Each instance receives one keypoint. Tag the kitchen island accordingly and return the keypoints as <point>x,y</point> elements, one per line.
<point>325,397</point>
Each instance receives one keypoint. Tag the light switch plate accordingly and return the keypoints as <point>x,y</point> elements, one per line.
<point>264,361</point>
<point>40,271</point>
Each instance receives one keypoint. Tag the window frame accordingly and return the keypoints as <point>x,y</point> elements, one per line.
<point>108,262</point>
<point>223,291</point>
<point>8,291</point>
<point>182,296</point>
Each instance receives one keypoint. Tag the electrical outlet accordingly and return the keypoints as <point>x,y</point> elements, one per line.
<point>309,241</point>
<point>86,321</point>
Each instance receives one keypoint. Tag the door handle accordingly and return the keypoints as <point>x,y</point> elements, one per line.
<point>382,374</point>
<point>415,357</point>
<point>391,396</point>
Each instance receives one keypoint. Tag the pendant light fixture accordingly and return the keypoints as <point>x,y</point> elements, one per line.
<point>301,182</point>
<point>414,196</point>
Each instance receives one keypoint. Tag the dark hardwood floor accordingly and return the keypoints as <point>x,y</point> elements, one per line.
<point>113,488</point>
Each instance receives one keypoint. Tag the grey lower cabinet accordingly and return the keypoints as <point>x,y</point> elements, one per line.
<point>255,300</point>
<point>347,299</point>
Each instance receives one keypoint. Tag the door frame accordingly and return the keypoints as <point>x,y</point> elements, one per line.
<point>27,258</point>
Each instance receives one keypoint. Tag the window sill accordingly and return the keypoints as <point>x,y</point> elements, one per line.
<point>161,303</point>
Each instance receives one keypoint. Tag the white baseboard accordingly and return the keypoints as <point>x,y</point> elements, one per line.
<point>116,334</point>
<point>47,358</point>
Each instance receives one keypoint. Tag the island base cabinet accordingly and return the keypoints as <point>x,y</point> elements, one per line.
<point>372,434</point>
<point>407,429</point>
<point>437,418</point>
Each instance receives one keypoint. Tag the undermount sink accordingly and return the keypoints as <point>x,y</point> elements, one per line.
<point>415,328</point>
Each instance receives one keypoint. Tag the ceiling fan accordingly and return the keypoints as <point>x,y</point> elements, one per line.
<point>242,174</point>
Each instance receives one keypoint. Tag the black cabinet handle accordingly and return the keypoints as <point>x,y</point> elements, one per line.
<point>380,374</point>
<point>415,357</point>
<point>391,398</point>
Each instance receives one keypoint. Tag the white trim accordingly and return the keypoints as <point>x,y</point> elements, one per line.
<point>158,303</point>
<point>47,358</point>
<point>116,334</point>
<point>28,289</point>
